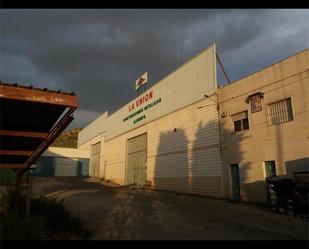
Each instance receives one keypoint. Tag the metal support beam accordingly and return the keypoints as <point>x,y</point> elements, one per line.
<point>16,152</point>
<point>11,165</point>
<point>23,134</point>
<point>39,96</point>
<point>56,131</point>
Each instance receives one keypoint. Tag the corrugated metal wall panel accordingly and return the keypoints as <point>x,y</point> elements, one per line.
<point>210,186</point>
<point>95,160</point>
<point>190,152</point>
<point>60,166</point>
<point>65,167</point>
<point>115,152</point>
<point>136,160</point>
<point>136,144</point>
<point>45,166</point>
<point>83,167</point>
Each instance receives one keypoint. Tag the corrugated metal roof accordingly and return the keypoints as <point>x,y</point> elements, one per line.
<point>35,88</point>
<point>30,120</point>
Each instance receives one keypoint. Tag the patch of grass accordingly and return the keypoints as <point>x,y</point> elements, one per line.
<point>7,176</point>
<point>49,219</point>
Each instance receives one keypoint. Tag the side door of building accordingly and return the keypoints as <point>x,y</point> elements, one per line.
<point>235,181</point>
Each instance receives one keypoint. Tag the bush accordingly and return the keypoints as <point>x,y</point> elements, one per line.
<point>8,177</point>
<point>8,199</point>
<point>60,224</point>
<point>49,219</point>
<point>14,227</point>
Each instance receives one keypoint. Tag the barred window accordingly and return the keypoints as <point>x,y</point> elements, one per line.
<point>280,112</point>
<point>240,121</point>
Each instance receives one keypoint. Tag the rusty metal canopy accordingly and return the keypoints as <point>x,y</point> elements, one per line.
<point>30,120</point>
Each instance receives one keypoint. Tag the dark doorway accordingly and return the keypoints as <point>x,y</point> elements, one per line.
<point>235,181</point>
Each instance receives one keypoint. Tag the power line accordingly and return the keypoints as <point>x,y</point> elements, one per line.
<point>261,87</point>
<point>225,74</point>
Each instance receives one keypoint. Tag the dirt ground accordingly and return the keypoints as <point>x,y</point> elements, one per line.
<point>133,214</point>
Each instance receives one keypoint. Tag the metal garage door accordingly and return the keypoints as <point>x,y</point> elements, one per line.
<point>136,160</point>
<point>61,166</point>
<point>95,160</point>
<point>65,166</point>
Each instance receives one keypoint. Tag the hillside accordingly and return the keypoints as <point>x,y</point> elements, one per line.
<point>67,139</point>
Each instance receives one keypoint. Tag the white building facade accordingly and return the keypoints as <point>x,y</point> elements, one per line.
<point>185,134</point>
<point>168,135</point>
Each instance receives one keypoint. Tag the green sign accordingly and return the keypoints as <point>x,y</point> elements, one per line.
<point>157,101</point>
<point>139,119</point>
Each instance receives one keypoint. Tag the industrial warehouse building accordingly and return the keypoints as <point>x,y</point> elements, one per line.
<point>185,134</point>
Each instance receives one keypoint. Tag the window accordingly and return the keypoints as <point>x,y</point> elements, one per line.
<point>240,121</point>
<point>280,112</point>
<point>270,169</point>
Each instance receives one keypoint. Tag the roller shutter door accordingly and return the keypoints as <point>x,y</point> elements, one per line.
<point>95,160</point>
<point>136,160</point>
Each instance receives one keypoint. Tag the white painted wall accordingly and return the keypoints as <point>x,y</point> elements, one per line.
<point>92,130</point>
<point>66,152</point>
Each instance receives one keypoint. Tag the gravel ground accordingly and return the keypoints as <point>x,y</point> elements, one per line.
<point>112,212</point>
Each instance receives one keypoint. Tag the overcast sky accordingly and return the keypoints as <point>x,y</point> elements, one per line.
<point>98,54</point>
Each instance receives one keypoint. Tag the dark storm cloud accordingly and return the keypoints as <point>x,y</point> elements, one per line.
<point>99,53</point>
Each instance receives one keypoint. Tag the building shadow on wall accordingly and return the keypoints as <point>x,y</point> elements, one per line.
<point>198,169</point>
<point>171,169</point>
<point>257,192</point>
<point>251,190</point>
<point>195,170</point>
<point>298,165</point>
<point>232,154</point>
<point>205,170</point>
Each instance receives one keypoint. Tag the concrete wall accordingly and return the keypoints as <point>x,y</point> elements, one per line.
<point>286,143</point>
